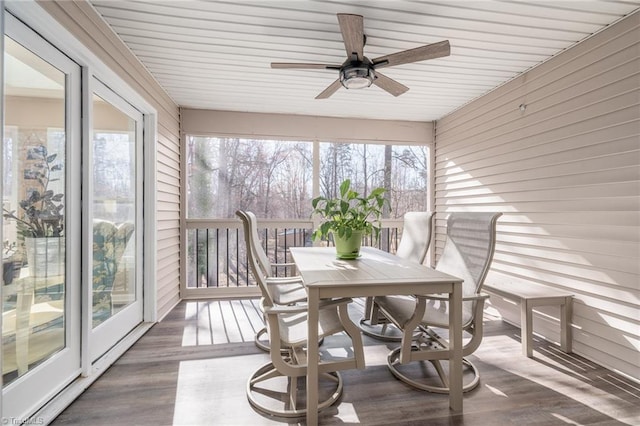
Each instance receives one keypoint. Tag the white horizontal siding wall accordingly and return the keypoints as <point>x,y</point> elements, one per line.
<point>87,26</point>
<point>565,171</point>
<point>303,127</point>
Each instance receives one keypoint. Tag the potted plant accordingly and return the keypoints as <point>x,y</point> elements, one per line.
<point>348,218</point>
<point>41,222</point>
<point>11,262</point>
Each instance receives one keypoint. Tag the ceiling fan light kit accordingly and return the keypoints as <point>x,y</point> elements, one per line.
<point>357,75</point>
<point>358,71</point>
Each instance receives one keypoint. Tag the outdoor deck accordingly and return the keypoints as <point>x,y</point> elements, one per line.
<point>191,369</point>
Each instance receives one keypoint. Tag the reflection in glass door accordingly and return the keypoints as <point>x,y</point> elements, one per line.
<point>114,210</point>
<point>40,307</point>
<point>33,257</point>
<point>116,203</point>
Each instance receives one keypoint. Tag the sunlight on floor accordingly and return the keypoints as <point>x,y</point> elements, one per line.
<point>347,413</point>
<point>573,378</point>
<point>206,393</point>
<point>376,355</point>
<point>496,391</point>
<point>565,419</point>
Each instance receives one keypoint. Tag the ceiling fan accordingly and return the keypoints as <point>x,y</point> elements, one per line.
<point>358,71</point>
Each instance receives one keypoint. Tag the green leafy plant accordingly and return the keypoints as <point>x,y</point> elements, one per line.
<point>43,210</point>
<point>349,212</point>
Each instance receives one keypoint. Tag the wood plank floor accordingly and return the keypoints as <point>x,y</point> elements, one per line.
<point>191,369</point>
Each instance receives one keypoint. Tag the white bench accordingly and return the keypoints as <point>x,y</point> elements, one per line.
<point>529,296</point>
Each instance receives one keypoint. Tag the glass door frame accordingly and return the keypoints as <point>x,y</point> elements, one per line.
<point>105,335</point>
<point>36,17</point>
<point>2,13</point>
<point>60,369</point>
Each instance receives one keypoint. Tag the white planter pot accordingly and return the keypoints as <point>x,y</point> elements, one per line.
<point>45,256</point>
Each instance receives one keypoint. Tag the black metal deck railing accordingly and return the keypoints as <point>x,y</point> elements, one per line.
<point>217,255</point>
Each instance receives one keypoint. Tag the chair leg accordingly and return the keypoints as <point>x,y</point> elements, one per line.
<point>292,389</point>
<point>443,376</point>
<point>368,306</point>
<point>382,330</point>
<point>375,324</point>
<point>393,362</point>
<point>262,344</point>
<point>274,403</point>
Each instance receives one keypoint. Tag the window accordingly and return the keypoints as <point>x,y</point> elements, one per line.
<point>402,170</point>
<point>274,178</point>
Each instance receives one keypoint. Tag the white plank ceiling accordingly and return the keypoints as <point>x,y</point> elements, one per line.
<point>217,54</point>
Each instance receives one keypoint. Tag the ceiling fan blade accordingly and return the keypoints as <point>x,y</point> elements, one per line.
<point>430,51</point>
<point>389,84</point>
<point>333,87</point>
<point>304,66</point>
<point>352,28</point>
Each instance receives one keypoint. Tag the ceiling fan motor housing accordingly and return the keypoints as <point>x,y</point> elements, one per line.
<point>356,74</point>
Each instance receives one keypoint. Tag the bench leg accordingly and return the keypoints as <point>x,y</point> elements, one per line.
<point>526,328</point>
<point>565,325</point>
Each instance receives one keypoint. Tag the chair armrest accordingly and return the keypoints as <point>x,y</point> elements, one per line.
<point>331,303</point>
<point>286,309</point>
<point>282,265</point>
<point>284,280</point>
<point>293,309</point>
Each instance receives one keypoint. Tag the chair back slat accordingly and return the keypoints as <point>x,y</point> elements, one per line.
<point>261,255</point>
<point>416,236</point>
<point>468,251</point>
<point>254,252</point>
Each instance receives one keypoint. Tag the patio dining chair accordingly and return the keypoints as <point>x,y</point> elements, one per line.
<point>273,388</point>
<point>286,290</point>
<point>414,244</point>
<point>467,254</point>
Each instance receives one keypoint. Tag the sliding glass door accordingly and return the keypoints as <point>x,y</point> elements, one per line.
<point>72,222</point>
<point>41,228</point>
<point>115,211</point>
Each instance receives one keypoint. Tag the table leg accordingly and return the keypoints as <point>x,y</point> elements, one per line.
<point>455,336</point>
<point>313,356</point>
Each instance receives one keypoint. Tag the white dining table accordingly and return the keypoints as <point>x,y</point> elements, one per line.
<point>374,273</point>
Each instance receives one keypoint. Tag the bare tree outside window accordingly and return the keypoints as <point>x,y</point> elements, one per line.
<point>273,178</point>
<point>401,170</point>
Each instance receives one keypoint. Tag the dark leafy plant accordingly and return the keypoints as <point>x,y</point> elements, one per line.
<point>43,210</point>
<point>349,212</point>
